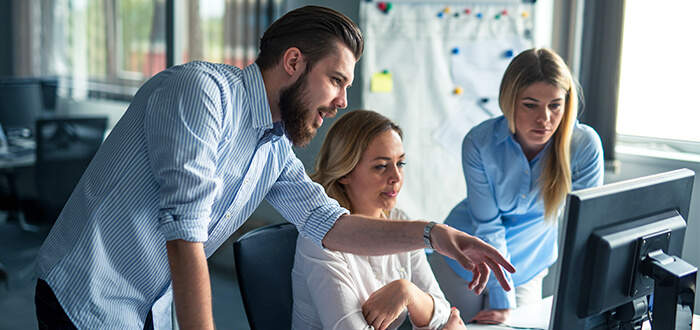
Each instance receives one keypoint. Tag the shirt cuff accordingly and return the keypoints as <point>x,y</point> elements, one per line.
<point>501,299</point>
<point>320,222</point>
<point>174,227</point>
<point>441,314</point>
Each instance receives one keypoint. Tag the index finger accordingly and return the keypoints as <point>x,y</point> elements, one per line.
<point>498,258</point>
<point>498,272</point>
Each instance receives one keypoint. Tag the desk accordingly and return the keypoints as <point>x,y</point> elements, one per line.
<point>13,162</point>
<point>19,161</point>
<point>20,154</point>
<point>537,316</point>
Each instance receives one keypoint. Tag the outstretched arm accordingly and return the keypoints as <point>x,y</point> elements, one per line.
<point>369,236</point>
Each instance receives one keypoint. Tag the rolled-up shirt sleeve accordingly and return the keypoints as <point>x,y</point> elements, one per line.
<point>304,202</point>
<point>183,128</point>
<point>332,286</point>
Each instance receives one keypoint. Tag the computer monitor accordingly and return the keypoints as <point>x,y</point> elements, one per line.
<point>21,103</point>
<point>623,242</point>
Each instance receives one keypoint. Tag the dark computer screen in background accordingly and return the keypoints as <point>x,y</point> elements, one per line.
<point>614,236</point>
<point>21,103</point>
<point>49,91</point>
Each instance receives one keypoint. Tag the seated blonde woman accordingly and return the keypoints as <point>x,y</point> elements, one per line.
<point>360,164</point>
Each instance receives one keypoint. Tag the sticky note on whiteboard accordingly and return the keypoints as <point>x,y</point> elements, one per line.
<point>382,82</point>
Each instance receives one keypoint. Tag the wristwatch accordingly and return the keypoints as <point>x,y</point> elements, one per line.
<point>426,234</point>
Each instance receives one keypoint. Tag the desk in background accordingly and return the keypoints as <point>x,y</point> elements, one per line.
<point>20,153</point>
<point>537,316</point>
<point>16,161</point>
<point>9,161</point>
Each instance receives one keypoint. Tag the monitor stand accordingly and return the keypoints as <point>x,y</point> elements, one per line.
<point>630,316</point>
<point>674,290</point>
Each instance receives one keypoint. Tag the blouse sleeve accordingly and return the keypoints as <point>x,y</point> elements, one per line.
<point>422,276</point>
<point>330,282</point>
<point>588,164</point>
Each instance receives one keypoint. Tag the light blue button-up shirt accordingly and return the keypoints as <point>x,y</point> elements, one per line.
<point>503,205</point>
<point>192,157</point>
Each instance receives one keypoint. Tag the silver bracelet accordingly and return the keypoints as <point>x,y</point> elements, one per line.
<point>426,234</point>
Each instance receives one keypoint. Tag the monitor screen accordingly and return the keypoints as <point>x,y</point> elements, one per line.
<point>612,236</point>
<point>21,103</point>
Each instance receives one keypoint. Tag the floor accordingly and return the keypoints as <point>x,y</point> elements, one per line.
<point>18,249</point>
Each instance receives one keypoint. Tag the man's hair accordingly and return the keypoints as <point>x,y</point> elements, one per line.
<point>314,30</point>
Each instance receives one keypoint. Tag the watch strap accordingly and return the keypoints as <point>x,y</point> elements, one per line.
<point>426,234</point>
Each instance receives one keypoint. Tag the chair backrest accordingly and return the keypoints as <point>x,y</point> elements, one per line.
<point>64,149</point>
<point>264,259</point>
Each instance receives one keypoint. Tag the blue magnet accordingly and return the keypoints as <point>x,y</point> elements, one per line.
<point>484,100</point>
<point>479,15</point>
<point>508,53</point>
<point>455,51</point>
<point>440,14</point>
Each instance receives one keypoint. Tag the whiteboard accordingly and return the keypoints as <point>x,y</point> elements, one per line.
<point>434,68</point>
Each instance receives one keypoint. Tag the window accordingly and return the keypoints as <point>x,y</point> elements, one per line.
<point>659,73</point>
<point>108,48</point>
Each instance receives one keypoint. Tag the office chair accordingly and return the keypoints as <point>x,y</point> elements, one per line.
<point>264,258</point>
<point>64,149</point>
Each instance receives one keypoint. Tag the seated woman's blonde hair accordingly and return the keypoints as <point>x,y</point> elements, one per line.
<point>342,149</point>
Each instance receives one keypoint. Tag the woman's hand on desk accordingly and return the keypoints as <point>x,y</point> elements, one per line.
<point>491,316</point>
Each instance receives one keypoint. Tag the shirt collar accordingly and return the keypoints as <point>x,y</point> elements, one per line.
<point>502,131</point>
<point>257,97</point>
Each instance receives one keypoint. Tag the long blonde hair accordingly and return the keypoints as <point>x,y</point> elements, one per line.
<point>342,149</point>
<point>543,65</point>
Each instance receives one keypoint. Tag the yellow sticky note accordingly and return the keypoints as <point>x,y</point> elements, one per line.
<point>382,82</point>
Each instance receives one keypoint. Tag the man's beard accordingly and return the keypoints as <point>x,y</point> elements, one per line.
<point>296,110</point>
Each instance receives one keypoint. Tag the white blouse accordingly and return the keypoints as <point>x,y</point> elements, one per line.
<point>331,287</point>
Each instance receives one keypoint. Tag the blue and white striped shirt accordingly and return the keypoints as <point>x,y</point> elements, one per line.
<point>192,157</point>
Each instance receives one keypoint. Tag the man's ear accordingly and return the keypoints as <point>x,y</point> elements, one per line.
<point>293,61</point>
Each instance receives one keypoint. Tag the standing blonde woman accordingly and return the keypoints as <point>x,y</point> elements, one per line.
<point>360,164</point>
<point>519,168</point>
